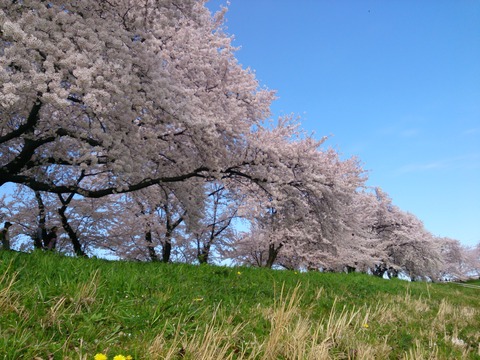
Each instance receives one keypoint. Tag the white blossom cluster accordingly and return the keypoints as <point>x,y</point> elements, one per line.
<point>127,92</point>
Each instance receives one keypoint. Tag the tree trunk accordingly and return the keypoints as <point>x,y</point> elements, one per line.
<point>203,255</point>
<point>167,244</point>
<point>77,247</point>
<point>272,255</point>
<point>166,250</point>
<point>151,248</point>
<point>40,233</point>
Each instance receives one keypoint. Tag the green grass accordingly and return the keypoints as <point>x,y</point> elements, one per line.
<point>54,307</point>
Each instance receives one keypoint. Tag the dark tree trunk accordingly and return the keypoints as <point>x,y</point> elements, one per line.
<point>151,248</point>
<point>272,255</point>
<point>77,246</point>
<point>203,255</point>
<point>167,244</point>
<point>167,249</point>
<point>40,234</point>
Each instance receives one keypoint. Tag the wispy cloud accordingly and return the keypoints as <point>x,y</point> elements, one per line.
<point>398,130</point>
<point>403,130</point>
<point>409,133</point>
<point>472,131</point>
<point>463,162</point>
<point>416,167</point>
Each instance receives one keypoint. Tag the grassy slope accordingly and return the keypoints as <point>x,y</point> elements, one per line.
<point>53,307</point>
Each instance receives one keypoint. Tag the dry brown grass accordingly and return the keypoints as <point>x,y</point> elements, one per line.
<point>343,334</point>
<point>292,336</point>
<point>86,294</point>
<point>213,342</point>
<point>8,298</point>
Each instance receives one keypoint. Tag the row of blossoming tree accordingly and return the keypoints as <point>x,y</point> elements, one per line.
<point>132,127</point>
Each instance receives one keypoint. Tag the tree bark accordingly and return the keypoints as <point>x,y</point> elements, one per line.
<point>40,233</point>
<point>204,255</point>
<point>77,246</point>
<point>272,255</point>
<point>167,249</point>
<point>167,244</point>
<point>151,248</point>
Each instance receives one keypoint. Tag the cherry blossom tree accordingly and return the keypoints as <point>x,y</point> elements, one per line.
<point>83,223</point>
<point>159,211</point>
<point>20,209</point>
<point>400,240</point>
<point>133,126</point>
<point>298,216</point>
<point>473,255</point>
<point>125,94</point>
<point>456,262</point>
<point>459,262</point>
<point>216,225</point>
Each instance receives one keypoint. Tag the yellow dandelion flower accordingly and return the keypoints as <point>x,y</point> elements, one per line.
<point>129,357</point>
<point>365,326</point>
<point>119,357</point>
<point>100,356</point>
<point>239,273</point>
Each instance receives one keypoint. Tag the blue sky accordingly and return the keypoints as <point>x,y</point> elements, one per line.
<point>396,83</point>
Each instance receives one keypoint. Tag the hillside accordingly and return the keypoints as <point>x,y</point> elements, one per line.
<point>54,307</point>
